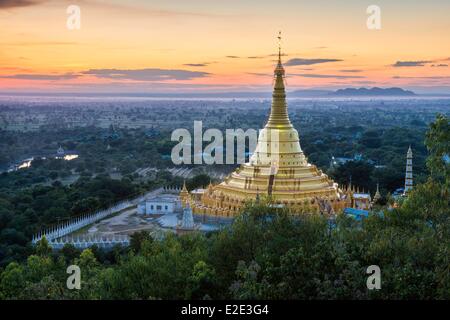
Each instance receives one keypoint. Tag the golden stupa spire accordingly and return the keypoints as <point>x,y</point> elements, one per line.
<point>279,117</point>
<point>184,194</point>
<point>277,168</point>
<point>279,47</point>
<point>377,195</point>
<point>184,189</point>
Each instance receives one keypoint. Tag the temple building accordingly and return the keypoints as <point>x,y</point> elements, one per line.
<point>159,205</point>
<point>277,169</point>
<point>361,200</point>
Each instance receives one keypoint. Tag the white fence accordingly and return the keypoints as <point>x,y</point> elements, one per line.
<point>83,242</point>
<point>54,234</point>
<point>79,222</point>
<point>172,189</point>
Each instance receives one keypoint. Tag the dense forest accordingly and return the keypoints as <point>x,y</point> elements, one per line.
<point>23,212</point>
<point>372,137</point>
<point>266,253</point>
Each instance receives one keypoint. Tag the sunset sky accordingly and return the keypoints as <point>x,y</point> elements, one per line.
<point>200,45</point>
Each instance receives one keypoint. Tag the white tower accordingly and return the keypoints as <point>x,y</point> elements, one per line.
<point>409,174</point>
<point>187,221</point>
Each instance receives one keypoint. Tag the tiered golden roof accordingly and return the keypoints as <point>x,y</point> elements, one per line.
<point>278,169</point>
<point>184,195</point>
<point>377,195</point>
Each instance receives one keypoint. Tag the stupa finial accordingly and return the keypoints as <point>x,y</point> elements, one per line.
<point>279,47</point>
<point>279,117</point>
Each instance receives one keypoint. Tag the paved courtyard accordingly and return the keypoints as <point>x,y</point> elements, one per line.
<point>129,221</point>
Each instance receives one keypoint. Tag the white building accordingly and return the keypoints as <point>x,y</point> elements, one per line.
<point>159,205</point>
<point>362,201</point>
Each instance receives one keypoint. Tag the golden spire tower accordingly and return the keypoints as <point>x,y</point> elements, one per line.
<point>277,168</point>
<point>377,195</point>
<point>184,195</point>
<point>278,115</point>
<point>278,141</point>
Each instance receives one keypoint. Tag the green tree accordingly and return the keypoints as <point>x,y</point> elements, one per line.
<point>438,143</point>
<point>12,281</point>
<point>43,248</point>
<point>138,238</point>
<point>202,282</point>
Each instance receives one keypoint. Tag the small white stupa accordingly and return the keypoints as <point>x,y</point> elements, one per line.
<point>187,221</point>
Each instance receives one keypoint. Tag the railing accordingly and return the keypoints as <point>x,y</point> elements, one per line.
<point>83,242</point>
<point>78,223</point>
<point>82,221</point>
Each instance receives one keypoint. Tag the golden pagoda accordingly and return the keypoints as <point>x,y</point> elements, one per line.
<point>278,169</point>
<point>184,195</point>
<point>377,196</point>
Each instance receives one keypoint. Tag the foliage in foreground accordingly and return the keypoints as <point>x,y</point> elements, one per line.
<point>261,256</point>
